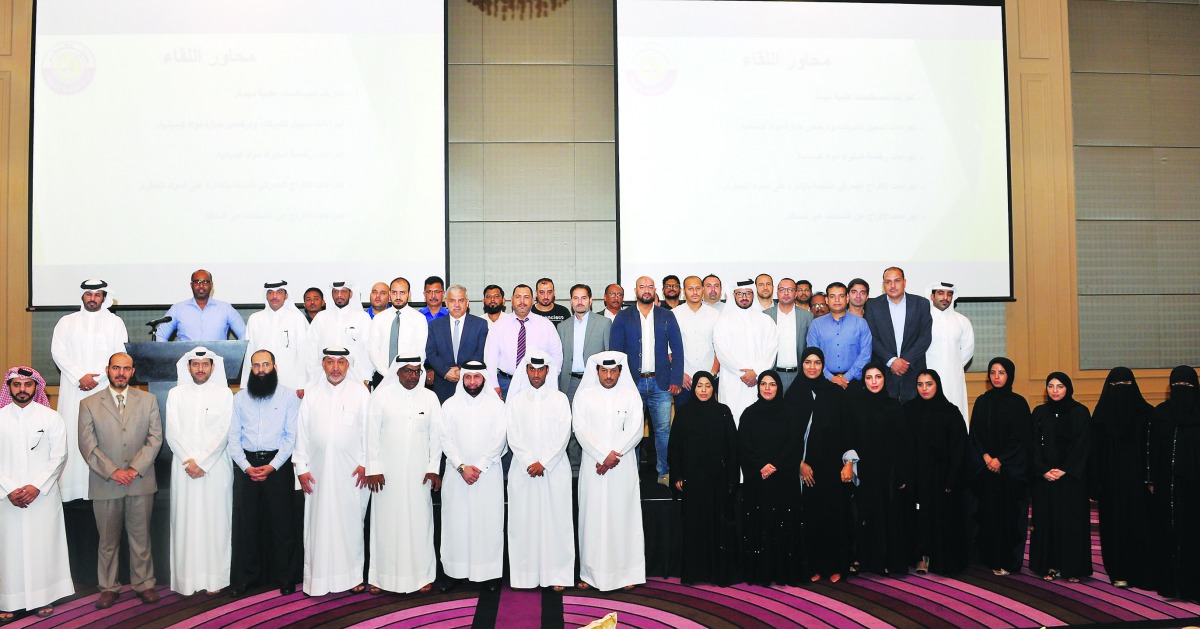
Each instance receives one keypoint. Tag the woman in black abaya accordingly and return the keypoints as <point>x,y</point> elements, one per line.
<point>1000,431</point>
<point>1060,544</point>
<point>940,445</point>
<point>883,442</point>
<point>770,443</point>
<point>702,456</point>
<point>819,408</point>
<point>1175,477</point>
<point>1117,474</point>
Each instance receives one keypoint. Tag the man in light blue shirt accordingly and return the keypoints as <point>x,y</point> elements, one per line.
<point>201,318</point>
<point>845,338</point>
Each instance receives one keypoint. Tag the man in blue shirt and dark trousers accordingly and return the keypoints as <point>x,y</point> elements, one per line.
<point>201,318</point>
<point>649,335</point>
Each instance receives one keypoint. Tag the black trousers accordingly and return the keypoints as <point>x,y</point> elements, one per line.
<point>266,538</point>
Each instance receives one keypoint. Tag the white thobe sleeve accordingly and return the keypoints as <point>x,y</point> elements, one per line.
<point>300,454</point>
<point>363,404</point>
<point>453,460</point>
<point>217,439</point>
<point>374,431</point>
<point>522,455</point>
<point>63,355</point>
<point>633,429</point>
<point>968,342</point>
<point>56,438</point>
<point>435,445</point>
<point>174,429</point>
<point>585,433</point>
<point>497,442</point>
<point>557,440</point>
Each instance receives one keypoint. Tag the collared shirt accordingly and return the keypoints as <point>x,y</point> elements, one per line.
<point>263,425</point>
<point>898,311</point>
<point>846,343</point>
<point>500,348</point>
<point>578,362</point>
<point>610,315</point>
<point>213,323</point>
<point>647,321</point>
<point>442,312</point>
<point>786,324</point>
<point>696,328</point>
<point>114,393</point>
<point>371,311</point>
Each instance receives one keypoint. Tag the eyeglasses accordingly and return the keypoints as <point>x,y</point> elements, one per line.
<point>202,282</point>
<point>410,371</point>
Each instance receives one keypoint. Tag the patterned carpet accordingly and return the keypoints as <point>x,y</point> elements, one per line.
<point>975,599</point>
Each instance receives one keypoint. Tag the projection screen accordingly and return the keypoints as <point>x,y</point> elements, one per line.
<point>815,140</point>
<point>258,139</point>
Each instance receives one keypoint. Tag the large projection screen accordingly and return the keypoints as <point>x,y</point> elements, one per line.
<point>815,140</point>
<point>302,139</point>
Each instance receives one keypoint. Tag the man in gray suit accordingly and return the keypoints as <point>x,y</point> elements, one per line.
<point>584,334</point>
<point>120,433</point>
<point>792,323</point>
<point>901,331</point>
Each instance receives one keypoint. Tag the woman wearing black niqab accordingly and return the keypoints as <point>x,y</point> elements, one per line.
<point>940,462</point>
<point>702,456</point>
<point>1174,465</point>
<point>819,407</point>
<point>770,446</point>
<point>883,442</point>
<point>1000,431</point>
<point>1117,476</point>
<point>1060,543</point>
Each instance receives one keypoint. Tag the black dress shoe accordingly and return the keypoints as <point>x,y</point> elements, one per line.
<point>238,590</point>
<point>448,585</point>
<point>290,588</point>
<point>492,585</point>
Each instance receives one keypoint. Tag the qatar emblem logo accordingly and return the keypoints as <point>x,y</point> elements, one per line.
<point>651,72</point>
<point>68,68</point>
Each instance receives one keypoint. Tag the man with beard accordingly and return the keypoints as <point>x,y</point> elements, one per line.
<point>746,343</point>
<point>860,292</point>
<point>201,318</point>
<point>435,292</point>
<point>199,411</point>
<point>493,304</point>
<point>804,295</point>
<point>404,450</point>
<point>282,330</point>
<point>330,461</point>
<point>791,324</point>
<point>951,345</point>
<point>346,325</point>
<point>314,303</point>
<point>584,335</point>
<point>380,299</point>
<point>541,536</point>
<point>844,338</point>
<point>262,437</point>
<point>671,291</point>
<point>511,337</point>
<point>614,301</point>
<point>712,292</point>
<point>649,336</point>
<point>764,287</point>
<point>120,434</point>
<point>473,438</point>
<point>818,305</point>
<point>34,567</point>
<point>81,345</point>
<point>607,419</point>
<point>545,306</point>
<point>402,333</point>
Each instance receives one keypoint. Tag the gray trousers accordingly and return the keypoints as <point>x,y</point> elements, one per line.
<point>574,450</point>
<point>131,513</point>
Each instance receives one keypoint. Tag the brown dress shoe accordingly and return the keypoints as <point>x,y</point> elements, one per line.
<point>148,596</point>
<point>107,599</point>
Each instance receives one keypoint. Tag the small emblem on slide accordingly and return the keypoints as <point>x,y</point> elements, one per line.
<point>68,68</point>
<point>650,72</point>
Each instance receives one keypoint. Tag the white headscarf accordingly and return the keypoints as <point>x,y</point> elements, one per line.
<point>390,379</point>
<point>941,286</point>
<point>216,379</point>
<point>591,379</point>
<point>475,366</point>
<point>272,285</point>
<point>94,285</point>
<point>338,351</point>
<point>347,284</point>
<point>522,373</point>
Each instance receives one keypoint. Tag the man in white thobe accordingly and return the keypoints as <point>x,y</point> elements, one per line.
<point>607,418</point>
<point>404,449</point>
<point>473,492</point>
<point>81,345</point>
<point>199,410</point>
<point>281,329</point>
<point>34,568</point>
<point>952,345</point>
<point>541,535</point>
<point>746,343</point>
<point>330,460</point>
<point>401,331</point>
<point>343,325</point>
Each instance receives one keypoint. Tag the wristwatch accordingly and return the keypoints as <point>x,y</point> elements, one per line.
<point>461,467</point>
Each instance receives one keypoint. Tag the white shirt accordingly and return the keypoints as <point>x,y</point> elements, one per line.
<point>785,322</point>
<point>696,328</point>
<point>647,322</point>
<point>578,361</point>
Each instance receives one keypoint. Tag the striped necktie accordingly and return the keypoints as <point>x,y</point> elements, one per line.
<point>521,341</point>
<point>121,404</point>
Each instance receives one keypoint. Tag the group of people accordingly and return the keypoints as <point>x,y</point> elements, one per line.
<point>803,446</point>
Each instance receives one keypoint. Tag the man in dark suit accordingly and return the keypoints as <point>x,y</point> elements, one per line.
<point>655,361</point>
<point>901,330</point>
<point>452,341</point>
<point>120,433</point>
<point>592,329</point>
<point>787,360</point>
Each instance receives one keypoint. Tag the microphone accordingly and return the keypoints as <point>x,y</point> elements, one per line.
<point>155,322</point>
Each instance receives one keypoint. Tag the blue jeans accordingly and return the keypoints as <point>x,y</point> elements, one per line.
<point>658,403</point>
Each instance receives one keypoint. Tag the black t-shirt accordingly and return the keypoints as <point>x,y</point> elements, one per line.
<point>556,315</point>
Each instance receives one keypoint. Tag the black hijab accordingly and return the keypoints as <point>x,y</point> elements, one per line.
<point>1068,401</point>
<point>1182,404</point>
<point>1009,368</point>
<point>1120,405</point>
<point>774,408</point>
<point>880,400</point>
<point>707,407</point>
<point>817,385</point>
<point>937,403</point>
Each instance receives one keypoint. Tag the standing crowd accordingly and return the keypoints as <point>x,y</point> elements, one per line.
<point>804,442</point>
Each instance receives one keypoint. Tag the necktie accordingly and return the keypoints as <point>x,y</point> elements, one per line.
<point>521,341</point>
<point>457,333</point>
<point>394,339</point>
<point>120,404</point>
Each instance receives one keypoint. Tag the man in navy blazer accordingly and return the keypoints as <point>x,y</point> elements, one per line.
<point>659,376</point>
<point>901,330</point>
<point>440,352</point>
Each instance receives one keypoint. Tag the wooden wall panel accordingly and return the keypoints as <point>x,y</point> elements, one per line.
<point>8,23</point>
<point>16,20</point>
<point>1036,27</point>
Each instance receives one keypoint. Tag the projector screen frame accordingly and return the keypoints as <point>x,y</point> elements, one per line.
<point>1001,4</point>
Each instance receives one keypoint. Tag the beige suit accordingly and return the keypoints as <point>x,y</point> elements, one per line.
<point>109,442</point>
